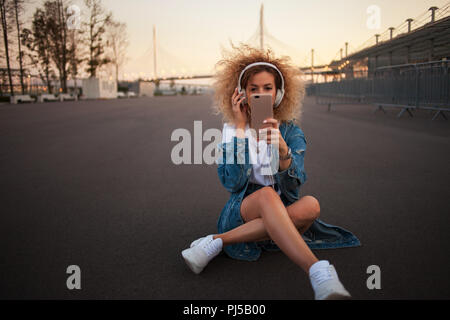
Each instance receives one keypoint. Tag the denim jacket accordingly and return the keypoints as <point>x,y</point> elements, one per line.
<point>234,169</point>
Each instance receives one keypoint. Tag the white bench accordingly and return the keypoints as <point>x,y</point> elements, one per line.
<point>47,97</point>
<point>407,108</point>
<point>440,110</point>
<point>21,98</point>
<point>169,92</point>
<point>67,96</point>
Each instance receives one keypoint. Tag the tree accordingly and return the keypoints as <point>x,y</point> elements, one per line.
<point>48,41</point>
<point>18,10</point>
<point>75,38</point>
<point>74,59</point>
<point>4,9</point>
<point>117,41</point>
<point>39,46</point>
<point>62,37</point>
<point>96,27</point>
<point>56,21</point>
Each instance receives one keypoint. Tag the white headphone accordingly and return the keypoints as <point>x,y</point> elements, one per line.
<point>280,92</point>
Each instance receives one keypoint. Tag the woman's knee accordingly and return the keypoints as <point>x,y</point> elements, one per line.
<point>267,198</point>
<point>314,207</point>
<point>252,206</point>
<point>305,211</point>
<point>267,193</point>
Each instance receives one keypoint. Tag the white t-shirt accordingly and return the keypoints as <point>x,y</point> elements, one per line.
<point>259,155</point>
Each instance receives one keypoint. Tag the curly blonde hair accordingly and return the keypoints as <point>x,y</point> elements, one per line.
<point>227,75</point>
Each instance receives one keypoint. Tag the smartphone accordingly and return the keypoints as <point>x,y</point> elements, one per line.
<point>261,109</point>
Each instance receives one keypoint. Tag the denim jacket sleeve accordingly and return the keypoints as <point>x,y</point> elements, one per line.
<point>234,166</point>
<point>293,177</point>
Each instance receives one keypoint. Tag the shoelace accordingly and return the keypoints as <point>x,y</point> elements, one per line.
<point>322,275</point>
<point>211,247</point>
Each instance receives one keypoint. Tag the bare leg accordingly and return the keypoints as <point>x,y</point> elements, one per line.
<point>251,231</point>
<point>302,213</point>
<point>267,216</point>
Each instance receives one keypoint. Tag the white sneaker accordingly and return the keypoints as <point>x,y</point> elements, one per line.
<point>196,242</point>
<point>198,256</point>
<point>325,282</point>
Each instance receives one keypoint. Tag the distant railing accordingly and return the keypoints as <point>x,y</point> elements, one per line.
<point>408,86</point>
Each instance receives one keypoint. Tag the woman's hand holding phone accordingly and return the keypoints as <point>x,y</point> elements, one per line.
<point>271,134</point>
<point>240,113</point>
<point>269,131</point>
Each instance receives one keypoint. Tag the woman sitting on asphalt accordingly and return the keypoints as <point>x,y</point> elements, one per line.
<point>265,210</point>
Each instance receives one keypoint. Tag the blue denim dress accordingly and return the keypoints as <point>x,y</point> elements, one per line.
<point>234,169</point>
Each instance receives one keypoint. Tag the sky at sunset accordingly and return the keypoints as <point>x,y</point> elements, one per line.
<point>190,34</point>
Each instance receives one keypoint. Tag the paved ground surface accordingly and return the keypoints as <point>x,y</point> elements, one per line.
<point>91,183</point>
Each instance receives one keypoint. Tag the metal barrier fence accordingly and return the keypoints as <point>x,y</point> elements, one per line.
<point>409,86</point>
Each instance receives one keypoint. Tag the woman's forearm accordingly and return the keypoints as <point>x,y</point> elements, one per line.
<point>284,149</point>
<point>284,164</point>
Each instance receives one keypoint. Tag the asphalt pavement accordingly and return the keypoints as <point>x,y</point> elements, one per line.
<point>92,183</point>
